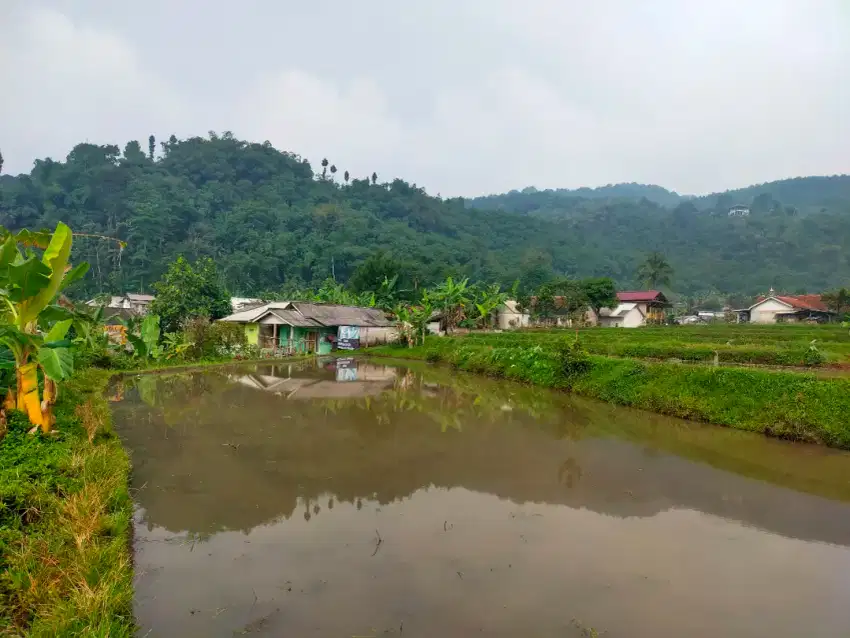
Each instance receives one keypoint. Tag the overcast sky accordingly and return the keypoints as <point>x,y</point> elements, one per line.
<point>463,97</point>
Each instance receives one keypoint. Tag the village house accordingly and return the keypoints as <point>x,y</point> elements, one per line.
<point>775,308</point>
<point>302,327</point>
<point>635,308</point>
<point>739,211</point>
<point>124,306</point>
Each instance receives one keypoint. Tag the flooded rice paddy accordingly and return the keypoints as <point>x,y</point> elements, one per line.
<point>354,499</point>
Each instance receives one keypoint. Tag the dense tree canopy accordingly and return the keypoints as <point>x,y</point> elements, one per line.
<point>269,222</point>
<point>189,290</point>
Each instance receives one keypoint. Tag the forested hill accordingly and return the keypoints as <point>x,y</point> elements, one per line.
<point>530,198</point>
<point>270,220</point>
<point>804,194</point>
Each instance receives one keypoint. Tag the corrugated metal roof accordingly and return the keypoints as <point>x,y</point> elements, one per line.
<point>641,295</point>
<point>246,316</point>
<point>304,314</point>
<point>798,302</point>
<point>294,318</point>
<point>334,315</point>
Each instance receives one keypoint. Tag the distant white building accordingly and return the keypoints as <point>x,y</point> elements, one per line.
<point>510,316</point>
<point>739,211</point>
<point>132,303</point>
<point>244,303</point>
<point>625,315</point>
<point>785,309</point>
<point>634,309</point>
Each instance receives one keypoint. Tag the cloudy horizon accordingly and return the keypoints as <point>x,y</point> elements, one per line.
<point>463,98</point>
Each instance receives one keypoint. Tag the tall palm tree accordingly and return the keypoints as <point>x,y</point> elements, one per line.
<point>324,167</point>
<point>655,271</point>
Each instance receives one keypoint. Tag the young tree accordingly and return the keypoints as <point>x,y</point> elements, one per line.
<point>655,271</point>
<point>333,170</point>
<point>346,176</point>
<point>324,167</point>
<point>370,274</point>
<point>151,146</point>
<point>600,293</point>
<point>1,162</point>
<point>838,301</point>
<point>487,300</point>
<point>188,290</point>
<point>374,178</point>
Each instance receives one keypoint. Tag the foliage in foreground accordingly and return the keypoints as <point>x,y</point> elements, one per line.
<point>788,405</point>
<point>65,515</point>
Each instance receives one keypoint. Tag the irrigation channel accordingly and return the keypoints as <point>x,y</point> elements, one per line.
<point>354,498</point>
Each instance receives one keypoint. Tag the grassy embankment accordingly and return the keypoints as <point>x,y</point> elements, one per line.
<point>65,516</point>
<point>757,345</point>
<point>784,404</point>
<point>65,521</point>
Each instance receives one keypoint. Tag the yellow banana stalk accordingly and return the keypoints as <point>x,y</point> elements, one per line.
<point>51,393</point>
<point>28,400</point>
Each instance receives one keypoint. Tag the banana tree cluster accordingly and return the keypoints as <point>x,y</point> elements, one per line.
<point>32,325</point>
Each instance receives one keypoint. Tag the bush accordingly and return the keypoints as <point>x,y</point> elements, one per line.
<point>229,336</point>
<point>214,339</point>
<point>573,358</point>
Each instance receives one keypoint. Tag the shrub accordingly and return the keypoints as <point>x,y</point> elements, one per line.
<point>573,358</point>
<point>228,336</point>
<point>214,339</point>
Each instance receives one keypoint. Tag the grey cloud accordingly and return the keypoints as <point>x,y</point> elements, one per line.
<point>461,97</point>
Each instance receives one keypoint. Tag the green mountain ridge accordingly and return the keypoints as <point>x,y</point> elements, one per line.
<point>804,193</point>
<point>269,219</point>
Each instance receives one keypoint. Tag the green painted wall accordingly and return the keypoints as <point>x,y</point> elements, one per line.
<point>300,338</point>
<point>252,333</point>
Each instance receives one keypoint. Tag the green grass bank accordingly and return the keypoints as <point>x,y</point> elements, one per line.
<point>65,521</point>
<point>788,405</point>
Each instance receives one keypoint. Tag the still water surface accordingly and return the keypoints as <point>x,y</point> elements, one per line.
<point>350,498</point>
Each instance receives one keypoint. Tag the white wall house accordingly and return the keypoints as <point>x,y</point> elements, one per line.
<point>625,315</point>
<point>635,308</point>
<point>766,311</point>
<point>510,316</point>
<point>785,308</point>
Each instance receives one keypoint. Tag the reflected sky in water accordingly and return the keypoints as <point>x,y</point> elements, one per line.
<point>357,499</point>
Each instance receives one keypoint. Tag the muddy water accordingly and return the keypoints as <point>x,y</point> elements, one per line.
<point>356,499</point>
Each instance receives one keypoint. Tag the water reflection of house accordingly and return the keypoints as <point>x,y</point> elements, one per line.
<point>302,327</point>
<point>366,380</point>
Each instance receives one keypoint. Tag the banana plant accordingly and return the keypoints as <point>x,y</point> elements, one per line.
<point>487,300</point>
<point>146,344</point>
<point>452,297</point>
<point>28,286</point>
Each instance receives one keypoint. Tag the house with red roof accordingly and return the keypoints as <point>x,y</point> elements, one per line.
<point>635,308</point>
<point>775,308</point>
